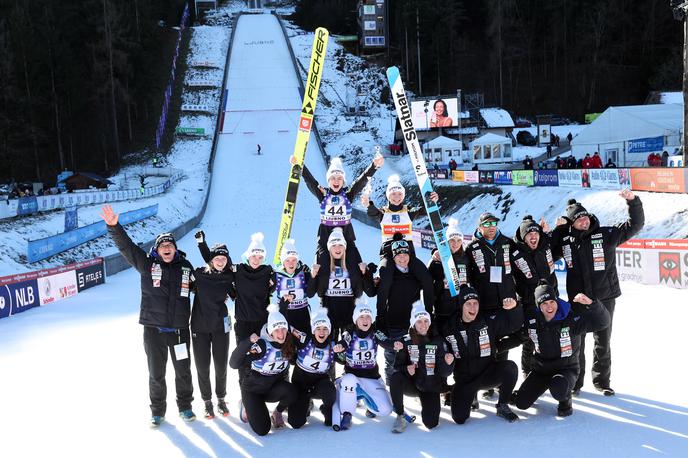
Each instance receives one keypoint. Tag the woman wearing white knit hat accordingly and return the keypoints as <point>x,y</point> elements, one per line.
<point>335,204</point>
<point>311,375</point>
<point>423,365</point>
<point>266,362</point>
<point>291,282</point>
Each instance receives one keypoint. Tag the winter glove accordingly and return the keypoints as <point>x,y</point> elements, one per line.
<point>199,236</point>
<point>372,267</point>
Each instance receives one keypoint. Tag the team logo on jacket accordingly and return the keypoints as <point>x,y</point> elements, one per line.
<point>363,344</point>
<point>291,283</point>
<point>669,268</point>
<point>396,219</point>
<point>156,274</point>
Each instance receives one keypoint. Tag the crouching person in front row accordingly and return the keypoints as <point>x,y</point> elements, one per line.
<point>268,357</point>
<point>556,330</point>
<point>361,377</point>
<point>473,339</point>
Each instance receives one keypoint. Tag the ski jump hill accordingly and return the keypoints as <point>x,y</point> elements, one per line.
<point>73,378</point>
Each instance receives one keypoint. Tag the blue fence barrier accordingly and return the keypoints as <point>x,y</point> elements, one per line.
<point>50,246</point>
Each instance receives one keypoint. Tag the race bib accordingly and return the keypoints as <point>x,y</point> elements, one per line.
<point>339,284</point>
<point>335,210</point>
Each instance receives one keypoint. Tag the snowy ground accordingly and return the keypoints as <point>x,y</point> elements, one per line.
<point>75,372</point>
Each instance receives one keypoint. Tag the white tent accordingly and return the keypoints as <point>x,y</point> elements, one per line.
<point>441,150</point>
<point>613,132</point>
<point>491,148</point>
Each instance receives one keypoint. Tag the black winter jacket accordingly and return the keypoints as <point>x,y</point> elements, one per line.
<point>590,256</point>
<point>428,356</point>
<point>165,287</point>
<point>445,304</point>
<point>394,302</point>
<point>480,256</point>
<point>474,344</point>
<point>533,265</point>
<point>246,353</point>
<point>211,291</point>
<point>252,289</point>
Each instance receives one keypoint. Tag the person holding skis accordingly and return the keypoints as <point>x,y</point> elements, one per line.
<point>340,283</point>
<point>335,203</point>
<point>210,326</point>
<point>396,298</point>
<point>361,377</point>
<point>473,340</point>
<point>314,357</point>
<point>266,363</point>
<point>291,281</point>
<point>166,281</point>
<point>423,364</point>
<point>556,331</point>
<point>589,251</point>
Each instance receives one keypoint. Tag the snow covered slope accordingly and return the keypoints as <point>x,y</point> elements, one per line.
<point>74,375</point>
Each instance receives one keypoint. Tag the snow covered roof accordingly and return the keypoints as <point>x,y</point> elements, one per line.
<point>443,141</point>
<point>671,97</point>
<point>491,139</point>
<point>496,117</point>
<point>618,124</point>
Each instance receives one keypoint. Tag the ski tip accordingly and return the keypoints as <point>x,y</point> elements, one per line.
<point>321,30</point>
<point>392,74</point>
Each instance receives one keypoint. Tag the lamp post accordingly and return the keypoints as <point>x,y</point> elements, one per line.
<point>680,8</point>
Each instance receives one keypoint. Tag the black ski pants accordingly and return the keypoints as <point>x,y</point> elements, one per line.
<point>559,385</point>
<point>206,344</point>
<point>502,374</point>
<point>157,345</point>
<point>323,389</point>
<point>602,353</point>
<point>282,392</point>
<point>400,385</point>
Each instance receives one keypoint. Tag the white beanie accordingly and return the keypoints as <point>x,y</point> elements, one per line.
<point>289,251</point>
<point>418,312</point>
<point>362,309</point>
<point>453,231</point>
<point>336,168</point>
<point>319,318</point>
<point>336,238</point>
<point>394,185</point>
<point>256,247</point>
<point>275,319</point>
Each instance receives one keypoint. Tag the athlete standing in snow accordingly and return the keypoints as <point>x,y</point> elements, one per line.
<point>291,282</point>
<point>166,281</point>
<point>266,359</point>
<point>210,325</point>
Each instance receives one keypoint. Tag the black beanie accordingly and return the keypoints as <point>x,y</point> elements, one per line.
<point>544,292</point>
<point>165,237</point>
<point>528,225</point>
<point>575,210</point>
<point>219,249</point>
<point>467,293</point>
<point>399,245</point>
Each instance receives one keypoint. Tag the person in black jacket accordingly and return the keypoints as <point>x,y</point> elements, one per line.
<point>473,340</point>
<point>422,364</point>
<point>395,299</point>
<point>166,281</point>
<point>267,360</point>
<point>556,332</point>
<point>445,304</point>
<point>589,251</point>
<point>534,262</point>
<point>340,283</point>
<point>291,286</point>
<point>210,326</point>
<point>314,357</point>
<point>335,204</point>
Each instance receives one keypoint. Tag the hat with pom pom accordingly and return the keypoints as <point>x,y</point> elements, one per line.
<point>336,168</point>
<point>256,247</point>
<point>319,318</point>
<point>575,210</point>
<point>289,251</point>
<point>394,185</point>
<point>275,319</point>
<point>418,312</point>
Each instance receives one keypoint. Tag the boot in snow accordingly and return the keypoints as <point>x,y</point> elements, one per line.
<point>209,412</point>
<point>504,411</point>
<point>277,419</point>
<point>222,407</point>
<point>400,424</point>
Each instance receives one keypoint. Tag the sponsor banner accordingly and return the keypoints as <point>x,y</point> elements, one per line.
<point>522,177</point>
<point>53,288</point>
<point>659,180</point>
<point>604,178</point>
<point>50,246</point>
<point>570,178</point>
<point>502,177</point>
<point>653,267</point>
<point>471,176</point>
<point>8,208</point>
<point>546,178</point>
<point>486,177</point>
<point>18,297</point>
<point>438,173</point>
<point>671,244</point>
<point>71,220</point>
<point>27,205</point>
<point>458,175</point>
<point>427,239</point>
<point>90,273</point>
<point>624,178</point>
<point>646,145</point>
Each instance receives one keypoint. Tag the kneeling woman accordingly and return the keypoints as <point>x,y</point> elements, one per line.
<point>315,356</point>
<point>268,358</point>
<point>422,366</point>
<point>361,377</point>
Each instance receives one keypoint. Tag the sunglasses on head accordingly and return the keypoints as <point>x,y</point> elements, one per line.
<point>489,223</point>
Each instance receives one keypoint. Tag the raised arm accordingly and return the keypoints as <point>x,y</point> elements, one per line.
<point>133,253</point>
